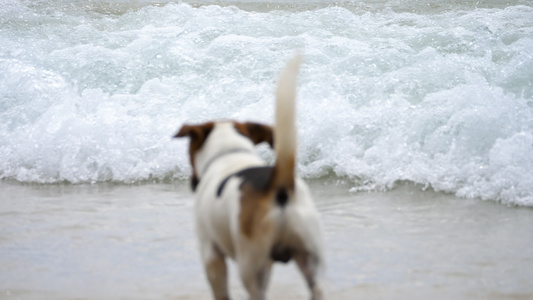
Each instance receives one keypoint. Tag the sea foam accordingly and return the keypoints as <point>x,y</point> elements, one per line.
<point>92,93</point>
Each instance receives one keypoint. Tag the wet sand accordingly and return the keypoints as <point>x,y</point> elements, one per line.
<point>110,241</point>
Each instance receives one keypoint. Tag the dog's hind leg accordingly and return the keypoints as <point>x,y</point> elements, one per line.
<point>255,275</point>
<point>309,267</point>
<point>216,270</point>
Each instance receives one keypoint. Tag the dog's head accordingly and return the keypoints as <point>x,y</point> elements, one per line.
<point>200,134</point>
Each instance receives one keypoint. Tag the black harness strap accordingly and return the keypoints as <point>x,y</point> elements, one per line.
<point>258,177</point>
<point>222,184</point>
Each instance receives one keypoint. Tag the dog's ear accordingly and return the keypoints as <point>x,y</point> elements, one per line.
<point>185,130</point>
<point>256,132</point>
<point>197,134</point>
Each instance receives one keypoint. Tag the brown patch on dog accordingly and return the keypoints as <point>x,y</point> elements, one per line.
<point>197,134</point>
<point>258,196</point>
<point>255,206</point>
<point>256,132</point>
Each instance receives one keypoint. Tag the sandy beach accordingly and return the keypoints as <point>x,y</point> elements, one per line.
<point>109,241</point>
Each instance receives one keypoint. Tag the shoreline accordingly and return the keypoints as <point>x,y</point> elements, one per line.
<point>114,241</point>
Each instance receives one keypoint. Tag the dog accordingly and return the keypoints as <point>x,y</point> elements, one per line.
<point>249,211</point>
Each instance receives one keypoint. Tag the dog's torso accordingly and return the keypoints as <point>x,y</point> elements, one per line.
<point>223,216</point>
<point>216,205</point>
<point>247,210</point>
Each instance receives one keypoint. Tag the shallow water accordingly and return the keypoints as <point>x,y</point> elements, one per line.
<point>110,241</point>
<point>435,93</point>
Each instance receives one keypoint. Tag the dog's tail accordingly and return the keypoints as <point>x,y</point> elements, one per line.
<point>285,128</point>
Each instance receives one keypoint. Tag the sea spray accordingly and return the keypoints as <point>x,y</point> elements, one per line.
<point>436,96</point>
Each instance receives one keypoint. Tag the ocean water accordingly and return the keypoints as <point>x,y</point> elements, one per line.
<point>435,93</point>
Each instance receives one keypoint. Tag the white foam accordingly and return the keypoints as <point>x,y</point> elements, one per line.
<point>441,98</point>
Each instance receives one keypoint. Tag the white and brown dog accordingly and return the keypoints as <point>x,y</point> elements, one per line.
<point>249,211</point>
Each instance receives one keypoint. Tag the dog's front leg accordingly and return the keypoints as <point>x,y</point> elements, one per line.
<point>216,270</point>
